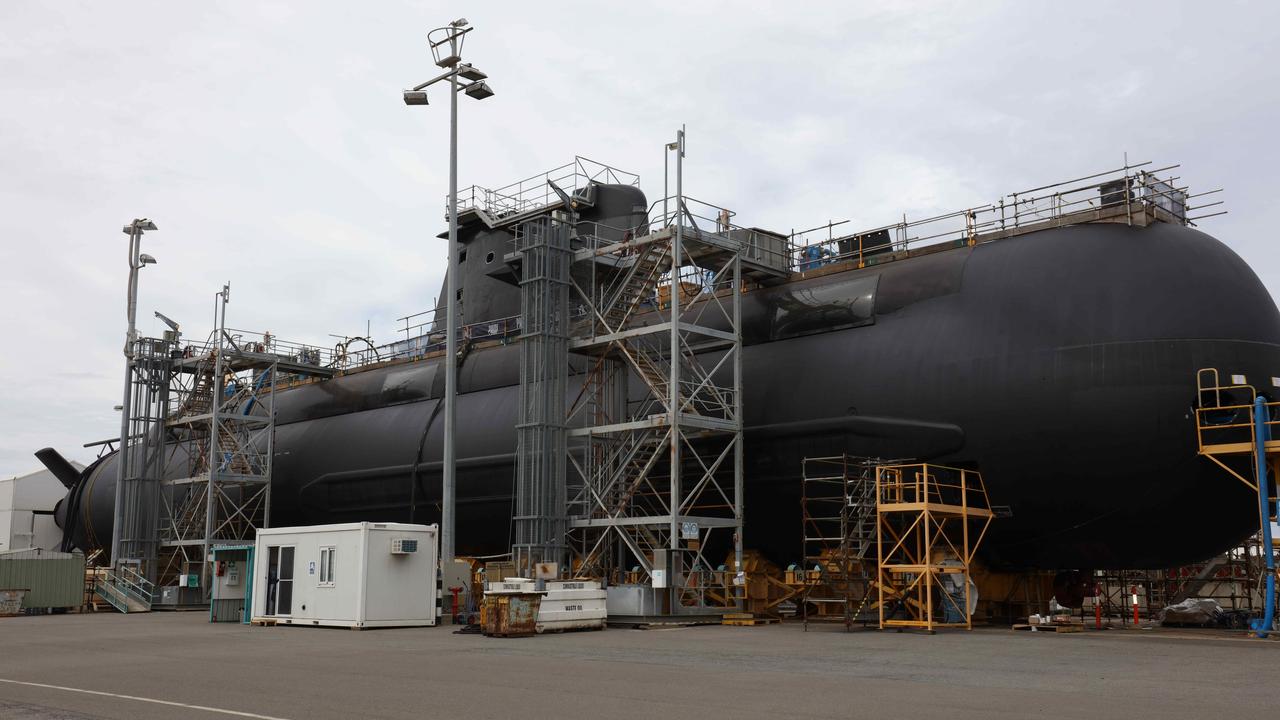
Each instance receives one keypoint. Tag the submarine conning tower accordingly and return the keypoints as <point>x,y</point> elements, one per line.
<point>600,196</point>
<point>1057,317</point>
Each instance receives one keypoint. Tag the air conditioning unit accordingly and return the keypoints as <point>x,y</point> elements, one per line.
<point>404,546</point>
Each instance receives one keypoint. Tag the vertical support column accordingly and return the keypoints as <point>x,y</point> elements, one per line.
<point>450,479</point>
<point>880,578</point>
<point>739,579</point>
<point>673,390</point>
<point>1260,437</point>
<point>215,430</point>
<point>271,441</point>
<point>929,575</point>
<point>122,454</point>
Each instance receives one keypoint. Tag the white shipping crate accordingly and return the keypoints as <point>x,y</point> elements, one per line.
<point>572,605</point>
<point>566,604</point>
<point>354,575</point>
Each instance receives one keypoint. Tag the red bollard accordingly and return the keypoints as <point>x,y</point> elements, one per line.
<point>1133,589</point>
<point>1097,606</point>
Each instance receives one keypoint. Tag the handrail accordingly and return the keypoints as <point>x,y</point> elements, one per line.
<point>1131,188</point>
<point>535,191</point>
<point>117,586</point>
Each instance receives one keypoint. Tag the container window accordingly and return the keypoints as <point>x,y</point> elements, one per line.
<point>326,565</point>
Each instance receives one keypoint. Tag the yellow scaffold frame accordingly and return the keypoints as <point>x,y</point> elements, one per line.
<point>930,521</point>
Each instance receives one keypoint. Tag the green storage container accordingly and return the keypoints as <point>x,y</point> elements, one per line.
<point>51,579</point>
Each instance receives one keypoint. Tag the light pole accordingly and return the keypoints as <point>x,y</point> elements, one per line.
<point>446,48</point>
<point>136,262</point>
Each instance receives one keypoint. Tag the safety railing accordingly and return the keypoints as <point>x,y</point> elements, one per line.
<point>535,191</point>
<point>123,584</point>
<point>938,485</point>
<point>1224,415</point>
<point>422,337</point>
<point>266,344</point>
<point>1128,191</point>
<point>425,337</point>
<point>702,220</point>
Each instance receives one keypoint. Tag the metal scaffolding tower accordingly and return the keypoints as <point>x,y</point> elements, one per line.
<point>838,509</point>
<point>539,518</point>
<point>142,454</point>
<point>655,479</point>
<point>217,484</point>
<point>629,463</point>
<point>930,521</point>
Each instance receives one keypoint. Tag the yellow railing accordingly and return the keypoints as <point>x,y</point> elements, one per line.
<point>1225,424</point>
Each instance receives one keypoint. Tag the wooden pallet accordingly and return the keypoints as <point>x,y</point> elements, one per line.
<point>1051,627</point>
<point>263,622</point>
<point>746,620</point>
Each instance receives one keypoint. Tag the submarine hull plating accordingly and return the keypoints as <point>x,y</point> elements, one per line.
<point>1060,363</point>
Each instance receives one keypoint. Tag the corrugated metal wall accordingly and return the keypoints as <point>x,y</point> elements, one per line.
<point>51,579</point>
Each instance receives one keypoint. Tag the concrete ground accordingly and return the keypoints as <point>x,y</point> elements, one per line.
<point>159,665</point>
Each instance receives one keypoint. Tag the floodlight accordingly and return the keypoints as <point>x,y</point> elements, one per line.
<point>470,72</point>
<point>139,224</point>
<point>479,90</point>
<point>145,259</point>
<point>415,97</point>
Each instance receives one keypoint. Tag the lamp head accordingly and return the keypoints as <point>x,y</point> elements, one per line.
<point>479,90</point>
<point>415,97</point>
<point>138,225</point>
<point>145,259</point>
<point>470,72</point>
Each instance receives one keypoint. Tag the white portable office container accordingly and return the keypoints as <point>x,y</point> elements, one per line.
<point>355,575</point>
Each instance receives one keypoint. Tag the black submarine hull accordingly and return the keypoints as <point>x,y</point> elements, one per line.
<point>1060,363</point>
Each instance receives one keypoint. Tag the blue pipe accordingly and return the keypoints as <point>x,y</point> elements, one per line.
<point>262,377</point>
<point>1260,436</point>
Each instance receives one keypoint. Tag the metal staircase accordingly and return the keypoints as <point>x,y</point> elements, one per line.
<point>637,286</point>
<point>125,589</point>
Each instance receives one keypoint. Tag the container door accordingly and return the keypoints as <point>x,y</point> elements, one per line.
<point>279,580</point>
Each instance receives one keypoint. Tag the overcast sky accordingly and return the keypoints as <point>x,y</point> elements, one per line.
<point>269,143</point>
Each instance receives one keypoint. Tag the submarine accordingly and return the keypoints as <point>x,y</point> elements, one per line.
<point>1060,362</point>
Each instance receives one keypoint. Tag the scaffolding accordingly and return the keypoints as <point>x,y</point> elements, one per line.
<point>217,485</point>
<point>838,514</point>
<point>655,474</point>
<point>930,522</point>
<point>632,473</point>
<point>1236,430</point>
<point>142,453</point>
<point>539,518</point>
